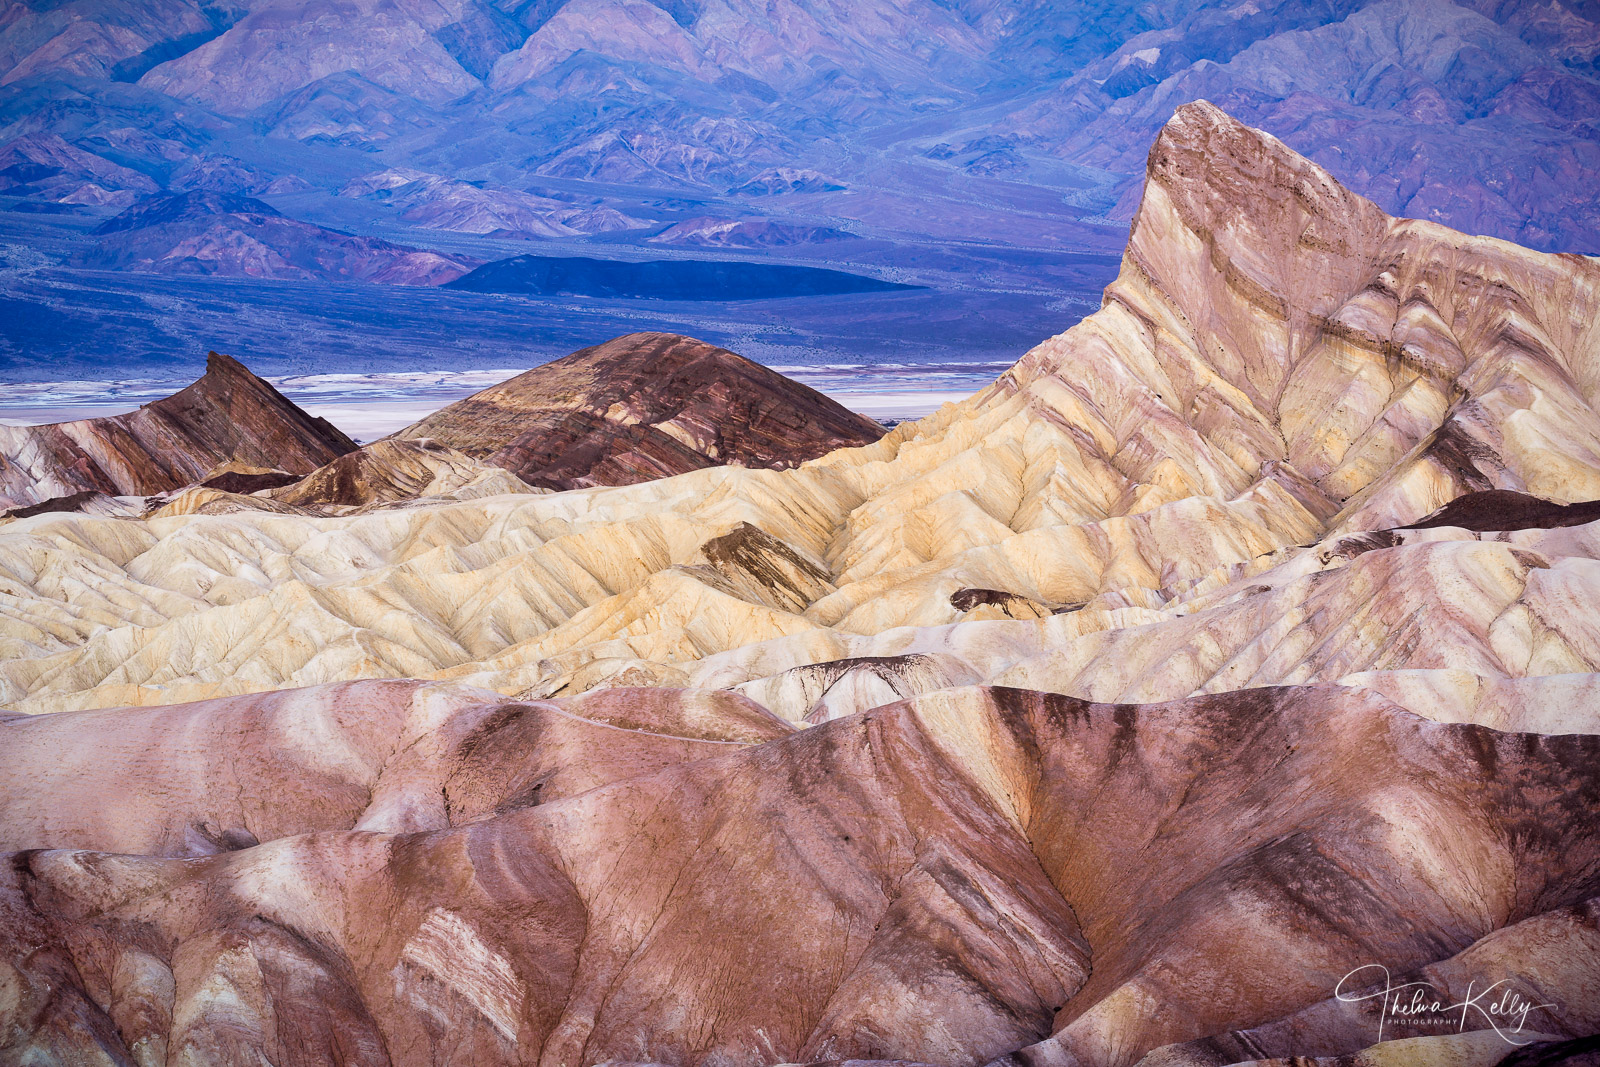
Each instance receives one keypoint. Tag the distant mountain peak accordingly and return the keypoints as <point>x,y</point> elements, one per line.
<point>159,210</point>
<point>204,232</point>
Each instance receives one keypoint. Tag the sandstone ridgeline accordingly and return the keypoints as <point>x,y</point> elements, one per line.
<point>1238,638</point>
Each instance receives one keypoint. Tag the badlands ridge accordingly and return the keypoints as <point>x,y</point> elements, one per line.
<point>1241,636</point>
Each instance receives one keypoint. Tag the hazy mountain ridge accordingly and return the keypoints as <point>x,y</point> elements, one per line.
<point>919,99</point>
<point>972,147</point>
<point>221,233</point>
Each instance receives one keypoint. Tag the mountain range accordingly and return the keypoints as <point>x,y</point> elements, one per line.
<point>926,123</point>
<point>639,407</point>
<point>223,233</point>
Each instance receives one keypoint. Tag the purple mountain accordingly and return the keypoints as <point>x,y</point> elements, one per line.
<point>1025,122</point>
<point>220,233</point>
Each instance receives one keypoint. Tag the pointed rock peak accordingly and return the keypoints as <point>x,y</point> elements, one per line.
<point>227,416</point>
<point>1201,131</point>
<point>230,386</point>
<point>219,365</point>
<point>1218,175</point>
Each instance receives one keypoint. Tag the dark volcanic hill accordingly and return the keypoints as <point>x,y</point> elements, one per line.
<point>222,233</point>
<point>228,415</point>
<point>644,406</point>
<point>664,279</point>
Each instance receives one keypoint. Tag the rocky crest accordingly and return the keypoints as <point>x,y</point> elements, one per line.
<point>644,406</point>
<point>227,415</point>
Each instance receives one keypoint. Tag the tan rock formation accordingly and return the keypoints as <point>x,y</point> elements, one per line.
<point>398,470</point>
<point>1278,366</point>
<point>1056,807</point>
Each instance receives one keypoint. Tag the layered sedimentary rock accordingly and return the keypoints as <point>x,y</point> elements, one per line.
<point>1235,643</point>
<point>969,875</point>
<point>382,755</point>
<point>385,474</point>
<point>398,470</point>
<point>644,406</point>
<point>227,416</point>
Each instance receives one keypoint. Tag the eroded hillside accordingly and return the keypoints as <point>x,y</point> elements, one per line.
<point>1240,638</point>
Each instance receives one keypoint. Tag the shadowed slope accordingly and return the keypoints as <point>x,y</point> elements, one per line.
<point>1499,509</point>
<point>393,756</point>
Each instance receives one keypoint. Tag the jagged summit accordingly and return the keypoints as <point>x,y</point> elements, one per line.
<point>644,406</point>
<point>226,415</point>
<point>1265,313</point>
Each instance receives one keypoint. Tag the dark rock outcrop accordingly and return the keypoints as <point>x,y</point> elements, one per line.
<point>1504,509</point>
<point>249,481</point>
<point>644,406</point>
